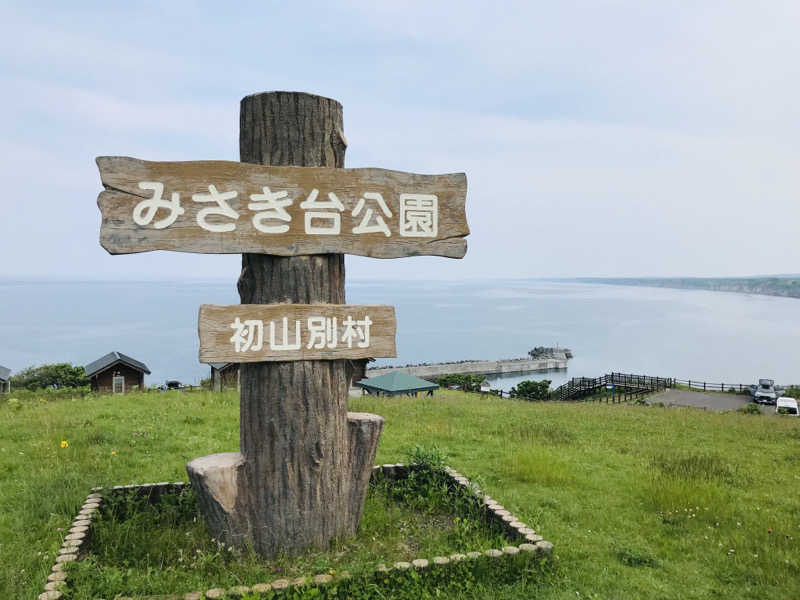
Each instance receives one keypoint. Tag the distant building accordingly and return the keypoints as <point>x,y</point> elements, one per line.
<point>224,375</point>
<point>5,380</point>
<point>116,373</point>
<point>359,370</point>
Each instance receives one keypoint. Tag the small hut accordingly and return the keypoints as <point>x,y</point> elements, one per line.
<point>5,380</point>
<point>359,369</point>
<point>116,373</point>
<point>396,383</point>
<point>224,375</point>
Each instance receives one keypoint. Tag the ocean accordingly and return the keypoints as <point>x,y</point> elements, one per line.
<point>711,336</point>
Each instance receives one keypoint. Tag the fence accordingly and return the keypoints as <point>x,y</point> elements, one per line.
<point>739,388</point>
<point>709,387</point>
<point>619,387</point>
<point>614,387</point>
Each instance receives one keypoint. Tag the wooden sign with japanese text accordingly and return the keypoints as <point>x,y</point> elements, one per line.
<point>223,207</point>
<point>283,332</point>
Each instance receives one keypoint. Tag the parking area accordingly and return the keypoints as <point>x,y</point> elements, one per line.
<point>716,402</point>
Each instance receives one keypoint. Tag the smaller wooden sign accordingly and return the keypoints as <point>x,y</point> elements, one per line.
<point>282,332</point>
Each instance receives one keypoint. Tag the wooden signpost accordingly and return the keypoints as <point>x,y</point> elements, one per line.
<point>302,472</point>
<point>278,332</point>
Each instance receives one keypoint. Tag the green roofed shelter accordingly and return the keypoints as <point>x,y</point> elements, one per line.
<point>396,382</point>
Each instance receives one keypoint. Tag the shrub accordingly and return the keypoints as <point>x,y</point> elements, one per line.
<point>48,394</point>
<point>427,457</point>
<point>532,390</point>
<point>465,381</point>
<point>53,376</point>
<point>749,409</point>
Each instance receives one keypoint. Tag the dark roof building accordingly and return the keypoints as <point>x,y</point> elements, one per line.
<point>116,373</point>
<point>224,375</point>
<point>396,382</point>
<point>5,379</point>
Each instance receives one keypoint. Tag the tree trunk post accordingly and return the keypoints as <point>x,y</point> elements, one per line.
<point>302,473</point>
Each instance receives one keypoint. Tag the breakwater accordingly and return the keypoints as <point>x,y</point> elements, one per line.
<point>476,367</point>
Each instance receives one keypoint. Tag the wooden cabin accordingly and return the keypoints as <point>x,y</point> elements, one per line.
<point>359,370</point>
<point>116,373</point>
<point>224,375</point>
<point>5,380</point>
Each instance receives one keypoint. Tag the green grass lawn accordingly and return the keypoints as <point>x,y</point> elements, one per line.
<point>640,502</point>
<point>139,549</point>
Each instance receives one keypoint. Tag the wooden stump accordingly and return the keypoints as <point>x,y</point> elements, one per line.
<point>301,476</point>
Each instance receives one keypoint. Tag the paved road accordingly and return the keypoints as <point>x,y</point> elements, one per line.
<point>719,402</point>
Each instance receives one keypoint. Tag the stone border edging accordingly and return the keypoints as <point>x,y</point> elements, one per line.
<point>75,543</point>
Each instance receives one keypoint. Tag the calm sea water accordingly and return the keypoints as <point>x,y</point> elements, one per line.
<point>710,336</point>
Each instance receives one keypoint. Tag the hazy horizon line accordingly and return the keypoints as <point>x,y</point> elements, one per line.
<point>45,279</point>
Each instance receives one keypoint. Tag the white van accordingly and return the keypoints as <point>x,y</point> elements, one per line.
<point>786,406</point>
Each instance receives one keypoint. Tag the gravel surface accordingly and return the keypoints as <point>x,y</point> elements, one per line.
<point>717,402</point>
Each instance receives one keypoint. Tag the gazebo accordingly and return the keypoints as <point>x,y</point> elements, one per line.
<point>395,383</point>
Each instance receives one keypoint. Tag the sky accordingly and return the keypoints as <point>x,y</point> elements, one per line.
<point>604,138</point>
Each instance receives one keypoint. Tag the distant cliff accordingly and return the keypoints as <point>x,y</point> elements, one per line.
<point>788,286</point>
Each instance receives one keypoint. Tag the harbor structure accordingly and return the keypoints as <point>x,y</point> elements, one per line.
<point>476,367</point>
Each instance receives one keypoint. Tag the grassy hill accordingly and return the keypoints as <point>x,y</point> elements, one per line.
<point>640,502</point>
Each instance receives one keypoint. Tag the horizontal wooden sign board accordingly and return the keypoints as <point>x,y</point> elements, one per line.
<point>281,332</point>
<point>222,207</point>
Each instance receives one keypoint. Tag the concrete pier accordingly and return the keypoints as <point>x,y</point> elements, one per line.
<point>476,367</point>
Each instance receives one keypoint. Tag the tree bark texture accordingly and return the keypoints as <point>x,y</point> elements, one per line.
<point>301,478</point>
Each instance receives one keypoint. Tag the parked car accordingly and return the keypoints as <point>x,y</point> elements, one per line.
<point>786,406</point>
<point>171,385</point>
<point>765,392</point>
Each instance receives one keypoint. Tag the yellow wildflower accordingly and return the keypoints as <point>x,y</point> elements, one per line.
<point>113,452</point>
<point>64,443</point>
